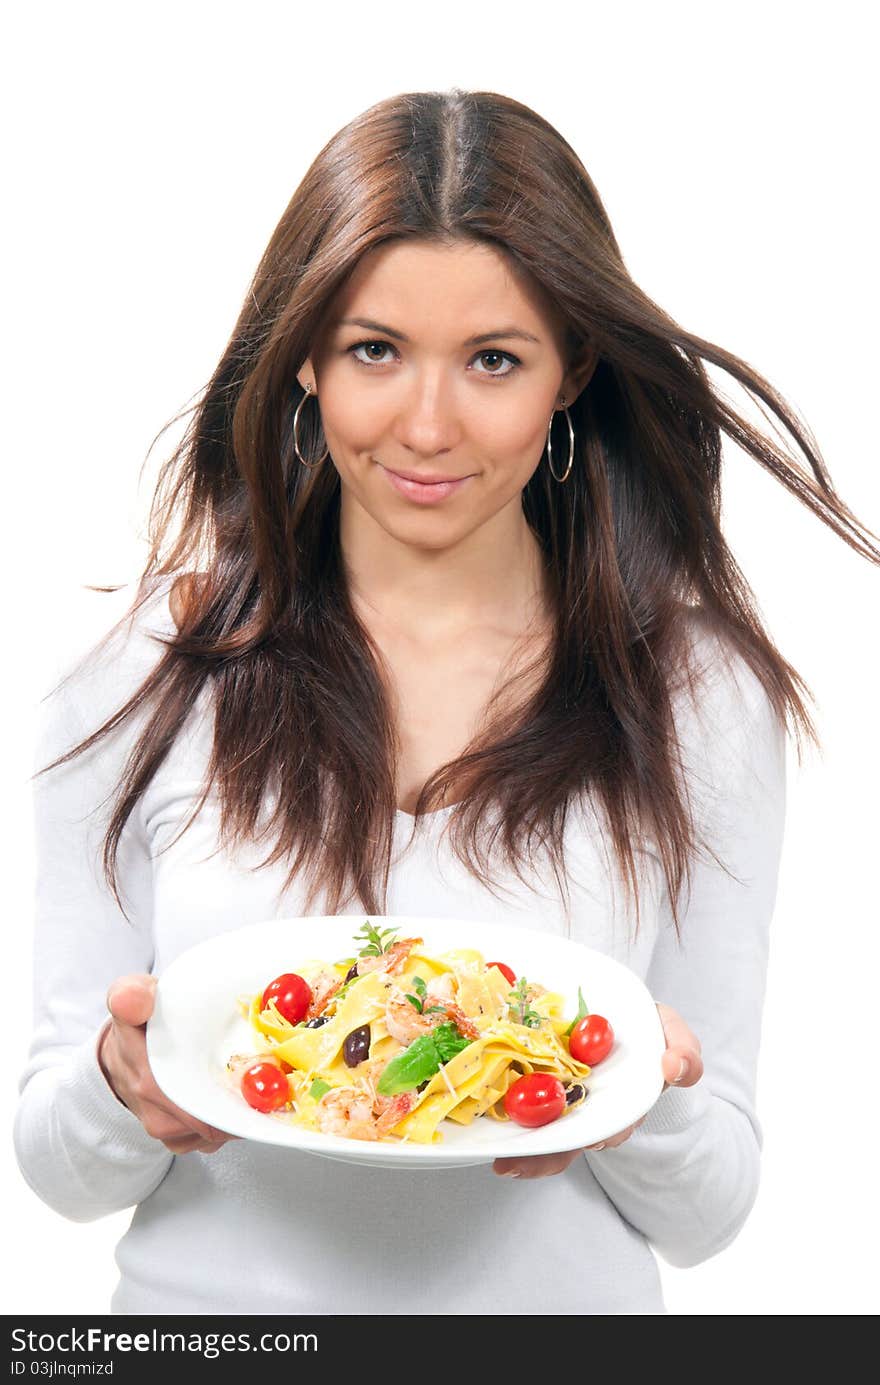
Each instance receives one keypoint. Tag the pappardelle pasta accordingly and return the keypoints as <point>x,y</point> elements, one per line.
<point>391,1041</point>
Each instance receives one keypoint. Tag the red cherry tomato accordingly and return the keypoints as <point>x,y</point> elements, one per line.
<point>507,972</point>
<point>591,1040</point>
<point>537,1098</point>
<point>292,996</point>
<point>264,1086</point>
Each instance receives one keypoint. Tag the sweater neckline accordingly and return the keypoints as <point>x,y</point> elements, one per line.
<point>437,813</point>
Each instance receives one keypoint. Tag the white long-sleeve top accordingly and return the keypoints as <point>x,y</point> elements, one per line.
<point>258,1228</point>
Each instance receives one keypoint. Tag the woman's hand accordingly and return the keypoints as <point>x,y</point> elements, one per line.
<point>682,1066</point>
<point>122,1055</point>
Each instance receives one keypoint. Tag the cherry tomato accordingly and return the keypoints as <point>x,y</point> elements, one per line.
<point>591,1039</point>
<point>507,972</point>
<point>292,996</point>
<point>537,1098</point>
<point>264,1086</point>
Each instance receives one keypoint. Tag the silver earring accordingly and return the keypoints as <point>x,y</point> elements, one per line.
<point>564,476</point>
<point>310,465</point>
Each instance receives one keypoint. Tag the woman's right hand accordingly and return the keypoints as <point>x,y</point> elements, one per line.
<point>122,1055</point>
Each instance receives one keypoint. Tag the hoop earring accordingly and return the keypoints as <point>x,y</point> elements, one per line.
<point>564,476</point>
<point>310,465</point>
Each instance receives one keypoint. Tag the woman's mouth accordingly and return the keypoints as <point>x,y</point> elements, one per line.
<point>424,492</point>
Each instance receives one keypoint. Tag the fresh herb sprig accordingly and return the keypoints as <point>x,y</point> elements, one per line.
<point>419,1000</point>
<point>376,941</point>
<point>522,1012</point>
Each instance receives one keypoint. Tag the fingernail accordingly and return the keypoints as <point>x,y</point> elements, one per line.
<point>596,1147</point>
<point>682,1072</point>
<point>510,1173</point>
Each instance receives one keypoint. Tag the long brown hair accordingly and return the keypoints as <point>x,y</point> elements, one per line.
<point>632,540</point>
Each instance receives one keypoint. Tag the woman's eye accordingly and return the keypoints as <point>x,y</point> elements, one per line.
<point>498,356</point>
<point>363,345</point>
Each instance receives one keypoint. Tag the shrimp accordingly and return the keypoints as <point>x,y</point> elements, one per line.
<point>347,1111</point>
<point>393,960</point>
<point>405,1023</point>
<point>361,1115</point>
<point>459,1018</point>
<point>442,991</point>
<point>389,1109</point>
<point>324,989</point>
<point>393,1109</point>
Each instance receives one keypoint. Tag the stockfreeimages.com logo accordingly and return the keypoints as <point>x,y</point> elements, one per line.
<point>95,1341</point>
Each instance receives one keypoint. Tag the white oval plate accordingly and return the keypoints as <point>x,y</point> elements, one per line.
<point>196,1026</point>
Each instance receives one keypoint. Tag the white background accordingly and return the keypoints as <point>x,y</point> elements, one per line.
<point>151,156</point>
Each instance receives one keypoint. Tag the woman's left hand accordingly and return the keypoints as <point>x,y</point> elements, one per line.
<point>682,1067</point>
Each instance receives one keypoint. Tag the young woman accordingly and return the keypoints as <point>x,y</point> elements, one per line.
<point>449,557</point>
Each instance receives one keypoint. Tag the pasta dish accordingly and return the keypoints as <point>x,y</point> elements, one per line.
<point>391,1041</point>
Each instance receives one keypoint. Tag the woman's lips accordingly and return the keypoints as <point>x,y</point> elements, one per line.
<point>424,493</point>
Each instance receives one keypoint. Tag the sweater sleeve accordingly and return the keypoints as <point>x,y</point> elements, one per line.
<point>688,1176</point>
<point>78,1147</point>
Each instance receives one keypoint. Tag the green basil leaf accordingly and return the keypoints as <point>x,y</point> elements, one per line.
<point>318,1088</point>
<point>582,1011</point>
<point>448,1041</point>
<point>410,1068</point>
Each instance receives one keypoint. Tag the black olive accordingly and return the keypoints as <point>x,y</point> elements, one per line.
<point>357,1046</point>
<point>352,972</point>
<point>317,1021</point>
<point>575,1094</point>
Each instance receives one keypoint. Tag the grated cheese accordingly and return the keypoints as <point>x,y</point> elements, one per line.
<point>446,1080</point>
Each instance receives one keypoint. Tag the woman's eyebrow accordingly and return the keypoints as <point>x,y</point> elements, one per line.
<point>471,341</point>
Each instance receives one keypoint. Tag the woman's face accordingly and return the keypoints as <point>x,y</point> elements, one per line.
<point>452,372</point>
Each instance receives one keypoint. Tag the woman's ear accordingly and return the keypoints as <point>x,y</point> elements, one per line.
<point>579,373</point>
<point>306,375</point>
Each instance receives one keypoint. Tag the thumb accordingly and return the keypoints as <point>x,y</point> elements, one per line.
<point>130,999</point>
<point>682,1067</point>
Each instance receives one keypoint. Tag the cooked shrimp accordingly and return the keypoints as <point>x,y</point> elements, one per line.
<point>393,1109</point>
<point>347,1111</point>
<point>457,1015</point>
<point>393,960</point>
<point>324,988</point>
<point>405,1023</point>
<point>357,1115</point>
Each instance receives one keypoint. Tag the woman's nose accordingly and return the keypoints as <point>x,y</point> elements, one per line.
<point>427,421</point>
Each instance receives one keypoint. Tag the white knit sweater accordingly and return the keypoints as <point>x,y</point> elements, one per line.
<point>263,1229</point>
